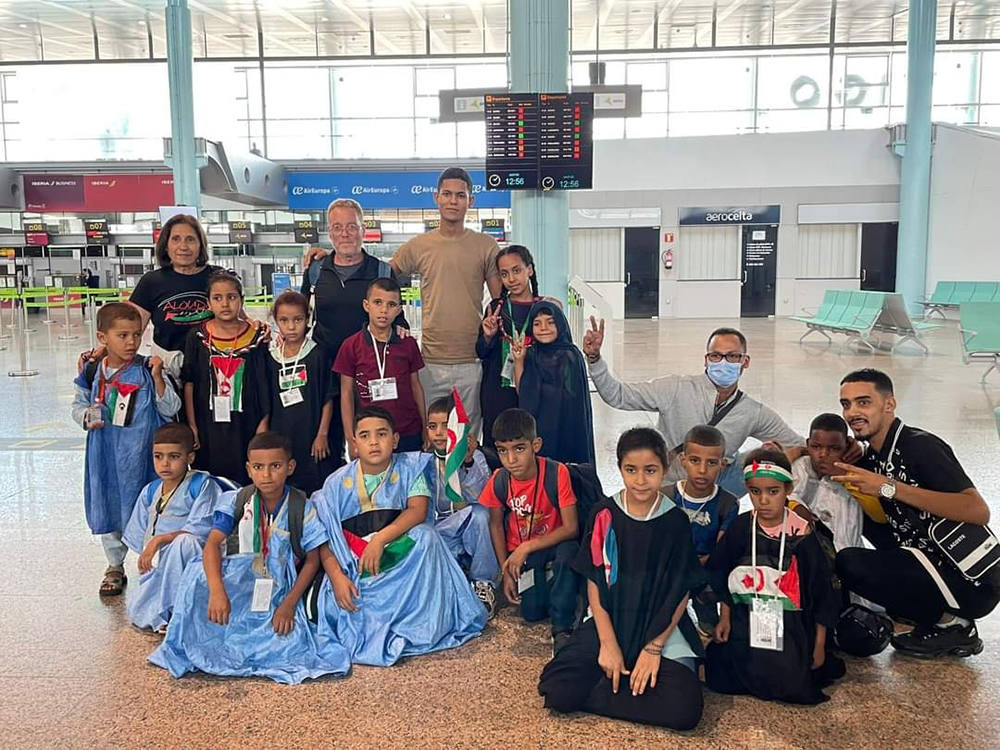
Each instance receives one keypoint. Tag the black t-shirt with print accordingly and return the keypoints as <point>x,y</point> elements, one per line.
<point>175,301</point>
<point>923,460</point>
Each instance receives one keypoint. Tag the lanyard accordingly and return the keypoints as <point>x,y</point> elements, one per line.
<point>534,502</point>
<point>379,363</point>
<point>753,545</point>
<point>652,508</point>
<point>265,521</point>
<point>161,504</point>
<point>103,382</point>
<point>285,371</point>
<point>513,326</point>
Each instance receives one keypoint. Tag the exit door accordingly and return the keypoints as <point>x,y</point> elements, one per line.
<point>642,272</point>
<point>760,270</point>
<point>878,256</point>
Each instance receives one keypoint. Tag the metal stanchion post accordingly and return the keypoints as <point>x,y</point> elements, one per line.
<point>48,314</point>
<point>68,335</point>
<point>21,339</point>
<point>92,316</point>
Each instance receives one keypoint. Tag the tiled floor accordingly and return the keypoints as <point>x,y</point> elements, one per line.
<point>73,673</point>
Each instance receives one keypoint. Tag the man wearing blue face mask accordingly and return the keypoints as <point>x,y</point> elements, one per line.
<point>684,401</point>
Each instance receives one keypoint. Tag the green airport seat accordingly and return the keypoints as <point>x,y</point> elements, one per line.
<point>979,326</point>
<point>963,292</point>
<point>984,291</point>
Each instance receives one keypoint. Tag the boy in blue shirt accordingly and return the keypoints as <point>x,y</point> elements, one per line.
<point>709,508</point>
<point>464,526</point>
<point>120,400</point>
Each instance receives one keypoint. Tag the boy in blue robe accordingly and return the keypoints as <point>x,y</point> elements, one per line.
<point>242,614</point>
<point>394,589</point>
<point>120,400</point>
<point>169,524</point>
<point>464,526</point>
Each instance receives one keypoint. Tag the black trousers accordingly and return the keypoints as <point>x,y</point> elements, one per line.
<point>898,581</point>
<point>573,681</point>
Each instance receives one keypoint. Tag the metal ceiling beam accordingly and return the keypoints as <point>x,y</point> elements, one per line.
<point>363,25</point>
<point>231,21</point>
<point>603,14</point>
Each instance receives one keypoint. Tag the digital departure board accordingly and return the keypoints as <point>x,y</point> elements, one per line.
<point>511,141</point>
<point>240,232</point>
<point>539,141</point>
<point>566,141</point>
<point>306,231</point>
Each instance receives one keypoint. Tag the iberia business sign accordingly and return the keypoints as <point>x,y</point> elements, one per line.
<point>314,191</point>
<point>98,193</point>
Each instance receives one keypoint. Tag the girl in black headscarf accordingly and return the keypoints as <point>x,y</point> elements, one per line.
<point>551,381</point>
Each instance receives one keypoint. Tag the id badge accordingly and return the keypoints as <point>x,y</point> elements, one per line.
<point>291,397</point>
<point>526,581</point>
<point>262,590</point>
<point>383,389</point>
<point>93,416</point>
<point>767,625</point>
<point>221,407</point>
<point>121,410</point>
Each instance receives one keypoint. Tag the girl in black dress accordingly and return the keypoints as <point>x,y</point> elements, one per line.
<point>504,317</point>
<point>225,381</point>
<point>303,390</point>
<point>635,656</point>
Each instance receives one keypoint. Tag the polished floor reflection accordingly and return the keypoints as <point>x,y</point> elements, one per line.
<point>73,673</point>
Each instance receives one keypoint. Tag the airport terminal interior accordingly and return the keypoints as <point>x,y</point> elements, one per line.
<point>821,175</point>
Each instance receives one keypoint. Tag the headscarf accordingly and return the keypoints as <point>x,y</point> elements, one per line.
<point>554,389</point>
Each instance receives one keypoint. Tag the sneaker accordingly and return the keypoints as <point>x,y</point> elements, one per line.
<point>559,641</point>
<point>487,595</point>
<point>929,642</point>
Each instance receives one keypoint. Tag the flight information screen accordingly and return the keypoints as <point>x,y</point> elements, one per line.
<point>539,141</point>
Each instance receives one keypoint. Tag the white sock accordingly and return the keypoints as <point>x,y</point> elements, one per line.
<point>954,621</point>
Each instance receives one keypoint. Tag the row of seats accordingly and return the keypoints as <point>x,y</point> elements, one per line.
<point>948,295</point>
<point>979,324</point>
<point>858,313</point>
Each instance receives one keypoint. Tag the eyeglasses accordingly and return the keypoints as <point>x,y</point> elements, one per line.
<point>345,228</point>
<point>732,357</point>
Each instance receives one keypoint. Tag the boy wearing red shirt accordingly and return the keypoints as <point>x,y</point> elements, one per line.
<point>533,525</point>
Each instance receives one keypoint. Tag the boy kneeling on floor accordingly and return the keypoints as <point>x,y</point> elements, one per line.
<point>536,496</point>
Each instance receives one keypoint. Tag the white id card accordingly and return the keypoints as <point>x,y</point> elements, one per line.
<point>291,397</point>
<point>262,590</point>
<point>526,581</point>
<point>767,625</point>
<point>383,389</point>
<point>508,368</point>
<point>221,407</point>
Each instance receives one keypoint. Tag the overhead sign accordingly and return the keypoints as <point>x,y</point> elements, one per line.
<point>240,232</point>
<point>96,231</point>
<point>373,230</point>
<point>730,215</point>
<point>466,105</point>
<point>495,229</point>
<point>431,224</point>
<point>110,192</point>
<point>306,231</point>
<point>36,233</point>
<point>539,141</point>
<point>314,191</point>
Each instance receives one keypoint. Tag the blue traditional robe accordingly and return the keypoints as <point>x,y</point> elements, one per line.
<point>119,459</point>
<point>248,645</point>
<point>419,604</point>
<point>188,510</point>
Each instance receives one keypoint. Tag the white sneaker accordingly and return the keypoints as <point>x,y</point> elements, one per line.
<point>487,595</point>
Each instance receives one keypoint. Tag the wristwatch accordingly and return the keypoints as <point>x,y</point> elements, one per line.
<point>888,490</point>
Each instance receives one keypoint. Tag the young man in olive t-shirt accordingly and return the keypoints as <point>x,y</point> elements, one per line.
<point>453,263</point>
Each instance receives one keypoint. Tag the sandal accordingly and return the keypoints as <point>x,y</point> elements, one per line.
<point>114,582</point>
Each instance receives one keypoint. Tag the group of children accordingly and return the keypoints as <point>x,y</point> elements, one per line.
<point>301,569</point>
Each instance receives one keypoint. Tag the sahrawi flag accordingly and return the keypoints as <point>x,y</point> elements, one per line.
<point>458,449</point>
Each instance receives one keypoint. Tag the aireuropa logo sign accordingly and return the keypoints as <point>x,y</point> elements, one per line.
<point>315,190</point>
<point>730,215</point>
<point>374,189</point>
